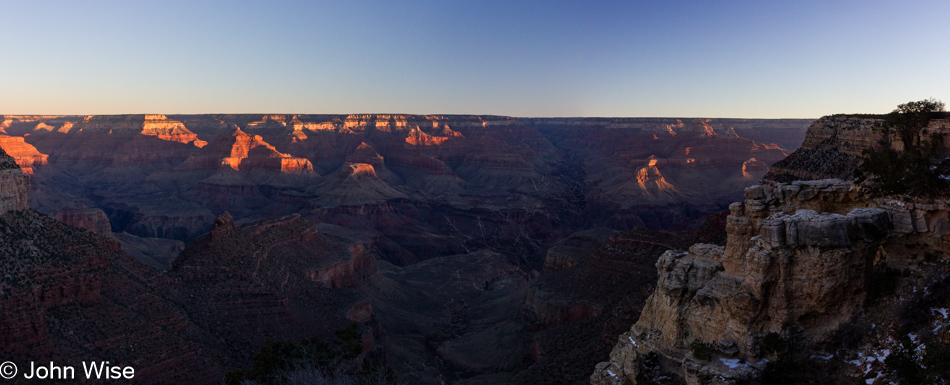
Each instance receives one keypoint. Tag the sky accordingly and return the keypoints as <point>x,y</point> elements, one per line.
<point>657,58</point>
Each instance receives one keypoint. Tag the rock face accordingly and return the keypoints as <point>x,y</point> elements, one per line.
<point>223,226</point>
<point>94,220</point>
<point>26,155</point>
<point>832,149</point>
<point>14,185</point>
<point>797,265</point>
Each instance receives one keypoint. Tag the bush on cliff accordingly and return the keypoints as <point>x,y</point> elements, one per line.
<point>916,170</point>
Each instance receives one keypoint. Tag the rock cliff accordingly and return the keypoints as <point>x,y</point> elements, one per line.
<point>26,155</point>
<point>14,185</point>
<point>802,262</point>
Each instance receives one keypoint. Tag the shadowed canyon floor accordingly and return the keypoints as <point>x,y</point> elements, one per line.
<point>470,249</point>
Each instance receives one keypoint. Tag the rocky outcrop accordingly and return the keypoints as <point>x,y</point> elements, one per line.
<point>781,270</point>
<point>222,227</point>
<point>834,146</point>
<point>832,149</point>
<point>800,262</point>
<point>14,185</point>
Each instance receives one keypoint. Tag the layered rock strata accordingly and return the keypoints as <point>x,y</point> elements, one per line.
<point>14,185</point>
<point>26,155</point>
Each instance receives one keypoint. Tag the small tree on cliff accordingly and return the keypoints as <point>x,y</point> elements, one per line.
<point>915,170</point>
<point>909,118</point>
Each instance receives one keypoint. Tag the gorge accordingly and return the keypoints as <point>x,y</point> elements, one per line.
<point>448,239</point>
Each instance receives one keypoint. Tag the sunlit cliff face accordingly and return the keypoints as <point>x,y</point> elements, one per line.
<point>252,151</point>
<point>418,138</point>
<point>25,154</point>
<point>159,126</point>
<point>649,178</point>
<point>753,165</point>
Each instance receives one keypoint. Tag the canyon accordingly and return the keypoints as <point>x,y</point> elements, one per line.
<point>468,249</point>
<point>416,184</point>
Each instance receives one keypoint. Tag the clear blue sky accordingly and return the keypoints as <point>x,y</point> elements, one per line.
<point>522,58</point>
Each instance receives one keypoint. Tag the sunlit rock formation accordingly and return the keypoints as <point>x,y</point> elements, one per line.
<point>26,155</point>
<point>158,126</point>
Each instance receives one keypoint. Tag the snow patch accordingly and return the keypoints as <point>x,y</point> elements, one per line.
<point>943,311</point>
<point>880,356</point>
<point>732,363</point>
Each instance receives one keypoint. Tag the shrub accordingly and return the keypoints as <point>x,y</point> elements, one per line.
<point>774,343</point>
<point>701,350</point>
<point>781,372</point>
<point>881,281</point>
